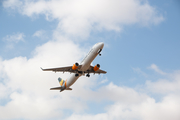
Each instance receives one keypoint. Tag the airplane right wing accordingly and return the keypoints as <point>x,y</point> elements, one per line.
<point>63,69</point>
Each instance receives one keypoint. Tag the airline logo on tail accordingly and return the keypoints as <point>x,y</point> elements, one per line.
<point>61,81</point>
<point>62,85</point>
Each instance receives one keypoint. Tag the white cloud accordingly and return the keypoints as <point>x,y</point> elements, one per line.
<point>28,87</point>
<point>139,71</point>
<point>15,38</point>
<point>13,4</point>
<point>156,69</point>
<point>39,33</point>
<point>165,86</point>
<point>80,18</point>
<point>167,83</point>
<point>103,81</point>
<point>42,34</point>
<point>148,109</point>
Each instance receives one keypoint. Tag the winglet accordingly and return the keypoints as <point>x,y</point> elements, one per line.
<point>42,69</point>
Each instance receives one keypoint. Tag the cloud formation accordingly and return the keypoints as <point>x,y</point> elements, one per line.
<point>78,18</point>
<point>26,89</point>
<point>14,38</point>
<point>39,33</point>
<point>148,109</point>
<point>156,69</point>
<point>167,85</point>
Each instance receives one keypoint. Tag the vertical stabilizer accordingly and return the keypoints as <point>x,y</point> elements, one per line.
<point>61,81</point>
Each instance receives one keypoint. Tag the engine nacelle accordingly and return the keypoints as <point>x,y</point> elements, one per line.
<point>75,66</point>
<point>96,67</point>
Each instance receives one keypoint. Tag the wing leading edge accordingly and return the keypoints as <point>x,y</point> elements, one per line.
<point>62,69</point>
<point>69,69</point>
<point>90,70</point>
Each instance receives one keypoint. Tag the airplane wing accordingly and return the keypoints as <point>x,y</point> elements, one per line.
<point>90,70</point>
<point>62,69</point>
<point>59,88</point>
<point>69,69</point>
<point>56,88</point>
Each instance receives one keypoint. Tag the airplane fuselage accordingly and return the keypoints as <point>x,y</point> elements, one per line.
<point>86,62</point>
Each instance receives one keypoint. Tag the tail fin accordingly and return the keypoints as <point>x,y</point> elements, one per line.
<point>61,81</point>
<point>62,86</point>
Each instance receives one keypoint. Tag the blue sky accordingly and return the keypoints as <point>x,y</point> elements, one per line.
<point>141,57</point>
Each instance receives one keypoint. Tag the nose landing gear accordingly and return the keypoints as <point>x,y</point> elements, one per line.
<point>99,52</point>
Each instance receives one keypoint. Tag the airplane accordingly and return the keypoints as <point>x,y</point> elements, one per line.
<point>79,70</point>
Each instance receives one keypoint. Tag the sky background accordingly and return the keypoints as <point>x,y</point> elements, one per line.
<point>141,57</point>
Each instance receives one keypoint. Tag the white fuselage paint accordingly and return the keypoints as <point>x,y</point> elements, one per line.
<point>85,63</point>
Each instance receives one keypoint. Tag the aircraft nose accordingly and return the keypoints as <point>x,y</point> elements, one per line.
<point>101,44</point>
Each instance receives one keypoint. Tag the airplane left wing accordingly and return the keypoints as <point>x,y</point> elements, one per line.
<point>59,88</point>
<point>62,69</point>
<point>56,88</point>
<point>100,71</point>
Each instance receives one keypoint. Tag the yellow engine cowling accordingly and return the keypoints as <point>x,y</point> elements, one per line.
<point>96,67</point>
<point>75,66</point>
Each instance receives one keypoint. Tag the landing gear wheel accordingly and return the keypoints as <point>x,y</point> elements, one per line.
<point>76,75</point>
<point>88,75</point>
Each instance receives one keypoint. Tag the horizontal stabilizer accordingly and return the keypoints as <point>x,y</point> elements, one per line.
<point>68,89</point>
<point>56,88</point>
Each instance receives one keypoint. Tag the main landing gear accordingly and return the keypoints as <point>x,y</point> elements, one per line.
<point>88,75</point>
<point>76,75</point>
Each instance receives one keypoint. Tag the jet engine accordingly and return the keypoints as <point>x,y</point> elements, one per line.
<point>96,67</point>
<point>75,66</point>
